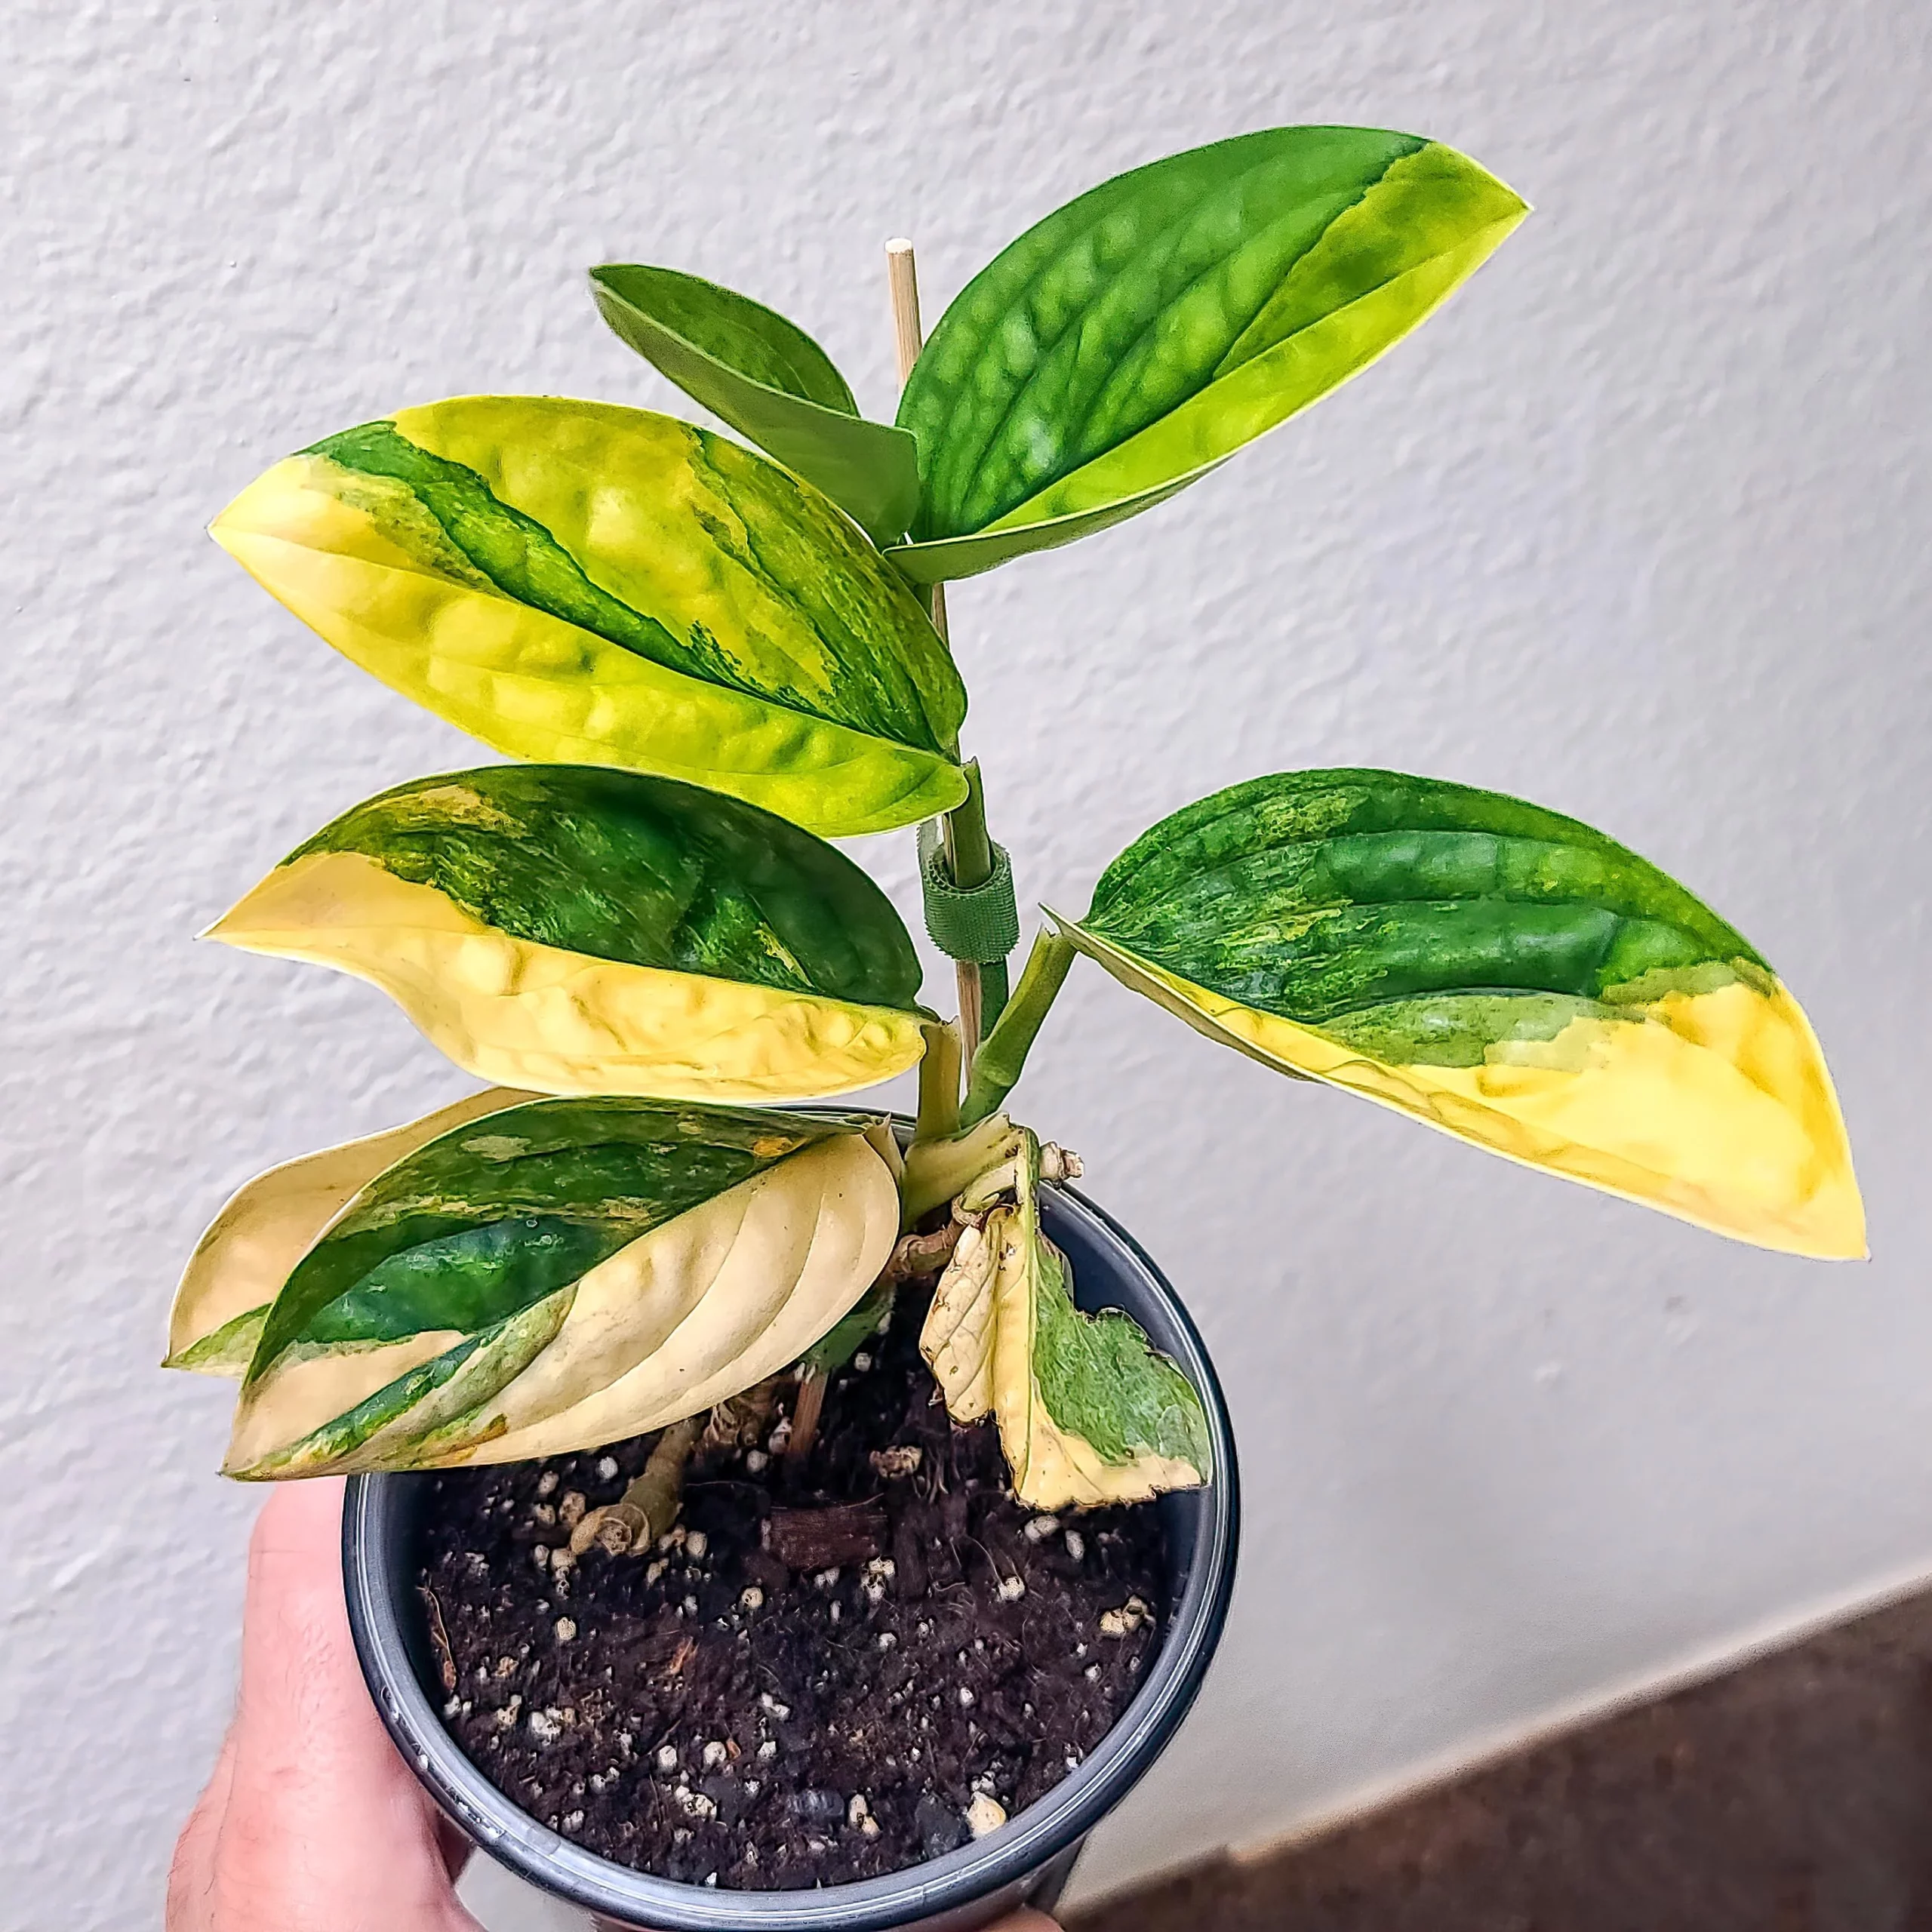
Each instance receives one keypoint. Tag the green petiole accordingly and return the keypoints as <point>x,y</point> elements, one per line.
<point>996,1067</point>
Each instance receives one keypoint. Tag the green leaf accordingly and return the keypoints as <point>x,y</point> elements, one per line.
<point>573,929</point>
<point>1141,334</point>
<point>560,1274</point>
<point>766,378</point>
<point>573,582</point>
<point>1502,973</point>
<point>752,345</point>
<point>1089,1413</point>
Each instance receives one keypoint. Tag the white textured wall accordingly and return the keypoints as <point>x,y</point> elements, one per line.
<point>1637,527</point>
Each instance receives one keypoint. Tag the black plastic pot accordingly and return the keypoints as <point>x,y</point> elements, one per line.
<point>1026,1862</point>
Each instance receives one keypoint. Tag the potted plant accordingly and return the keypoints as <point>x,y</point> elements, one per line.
<point>768,1513</point>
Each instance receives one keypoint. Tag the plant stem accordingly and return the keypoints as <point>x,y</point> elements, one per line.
<point>648,1509</point>
<point>939,1083</point>
<point>997,1066</point>
<point>969,862</point>
<point>804,1417</point>
<point>658,1491</point>
<point>969,858</point>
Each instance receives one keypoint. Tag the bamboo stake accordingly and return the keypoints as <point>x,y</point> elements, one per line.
<point>902,277</point>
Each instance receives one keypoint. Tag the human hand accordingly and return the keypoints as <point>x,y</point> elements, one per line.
<point>311,1821</point>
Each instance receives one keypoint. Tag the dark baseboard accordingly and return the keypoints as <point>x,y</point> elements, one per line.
<point>1793,1794</point>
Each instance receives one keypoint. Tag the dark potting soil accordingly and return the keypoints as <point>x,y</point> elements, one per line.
<point>827,1674</point>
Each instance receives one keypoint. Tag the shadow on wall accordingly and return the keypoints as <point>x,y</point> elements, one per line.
<point>1793,1794</point>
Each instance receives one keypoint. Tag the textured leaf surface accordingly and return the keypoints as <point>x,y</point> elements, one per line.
<point>572,929</point>
<point>1501,972</point>
<point>268,1227</point>
<point>1143,333</point>
<point>558,1274</point>
<point>766,378</point>
<point>1088,1413</point>
<point>573,582</point>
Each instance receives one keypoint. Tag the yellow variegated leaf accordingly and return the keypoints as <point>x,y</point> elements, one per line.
<point>710,1304</point>
<point>575,582</point>
<point>270,1223</point>
<point>560,1274</point>
<point>1088,1414</point>
<point>1501,973</point>
<point>1139,336</point>
<point>574,930</point>
<point>1710,1107</point>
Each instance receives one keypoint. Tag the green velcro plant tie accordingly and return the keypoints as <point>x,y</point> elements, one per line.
<point>981,923</point>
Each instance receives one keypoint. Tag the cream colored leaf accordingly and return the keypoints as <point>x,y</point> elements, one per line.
<point>1003,1334</point>
<point>704,1306</point>
<point>270,1223</point>
<point>957,1340</point>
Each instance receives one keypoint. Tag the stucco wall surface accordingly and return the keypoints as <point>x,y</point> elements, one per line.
<point>1636,528</point>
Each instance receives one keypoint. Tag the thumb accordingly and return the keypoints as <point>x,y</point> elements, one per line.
<point>324,1826</point>
<point>304,1715</point>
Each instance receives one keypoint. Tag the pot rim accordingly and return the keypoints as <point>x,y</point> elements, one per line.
<point>372,1516</point>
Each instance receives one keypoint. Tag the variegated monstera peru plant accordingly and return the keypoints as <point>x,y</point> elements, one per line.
<point>714,660</point>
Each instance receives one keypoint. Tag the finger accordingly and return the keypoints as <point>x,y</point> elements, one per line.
<point>324,1826</point>
<point>302,1692</point>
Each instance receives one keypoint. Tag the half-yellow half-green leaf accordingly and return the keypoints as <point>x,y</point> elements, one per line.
<point>558,1274</point>
<point>1143,333</point>
<point>1500,972</point>
<point>577,582</point>
<point>571,929</point>
<point>269,1224</point>
<point>1088,1412</point>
